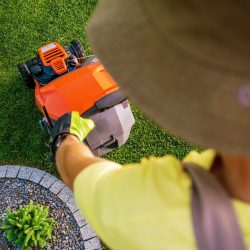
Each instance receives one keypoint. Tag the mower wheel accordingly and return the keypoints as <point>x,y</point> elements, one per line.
<point>31,62</point>
<point>78,50</point>
<point>25,73</point>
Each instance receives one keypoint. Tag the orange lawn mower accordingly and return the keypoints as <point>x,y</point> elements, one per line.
<point>65,79</point>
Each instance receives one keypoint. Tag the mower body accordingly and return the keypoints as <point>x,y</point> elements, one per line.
<point>66,80</point>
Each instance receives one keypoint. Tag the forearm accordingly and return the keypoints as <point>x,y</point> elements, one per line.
<point>72,157</point>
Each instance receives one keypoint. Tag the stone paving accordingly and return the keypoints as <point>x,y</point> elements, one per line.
<point>91,240</point>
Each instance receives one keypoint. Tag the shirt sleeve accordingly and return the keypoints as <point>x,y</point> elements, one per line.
<point>117,200</point>
<point>91,190</point>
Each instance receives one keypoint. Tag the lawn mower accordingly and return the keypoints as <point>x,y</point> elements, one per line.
<point>65,79</point>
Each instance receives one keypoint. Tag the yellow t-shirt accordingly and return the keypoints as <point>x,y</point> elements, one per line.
<point>145,205</point>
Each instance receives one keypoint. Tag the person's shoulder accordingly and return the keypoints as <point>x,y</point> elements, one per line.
<point>169,166</point>
<point>164,167</point>
<point>204,159</point>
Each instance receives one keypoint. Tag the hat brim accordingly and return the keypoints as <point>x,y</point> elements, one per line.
<point>183,93</point>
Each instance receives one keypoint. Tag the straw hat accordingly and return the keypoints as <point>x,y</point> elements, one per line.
<point>185,63</point>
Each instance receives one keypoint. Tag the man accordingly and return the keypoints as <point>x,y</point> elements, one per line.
<point>186,64</point>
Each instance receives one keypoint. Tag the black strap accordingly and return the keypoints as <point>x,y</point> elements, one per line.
<point>214,220</point>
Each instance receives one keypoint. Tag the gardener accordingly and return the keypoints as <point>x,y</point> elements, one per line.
<point>186,64</point>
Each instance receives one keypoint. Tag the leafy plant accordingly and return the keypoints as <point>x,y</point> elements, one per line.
<point>29,226</point>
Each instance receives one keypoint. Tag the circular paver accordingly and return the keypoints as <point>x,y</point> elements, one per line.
<point>30,183</point>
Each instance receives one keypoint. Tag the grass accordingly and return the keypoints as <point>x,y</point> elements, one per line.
<point>25,26</point>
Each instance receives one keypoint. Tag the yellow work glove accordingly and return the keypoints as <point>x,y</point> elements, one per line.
<point>70,123</point>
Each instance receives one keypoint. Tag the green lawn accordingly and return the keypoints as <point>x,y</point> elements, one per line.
<point>25,26</point>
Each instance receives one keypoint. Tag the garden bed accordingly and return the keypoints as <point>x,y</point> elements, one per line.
<point>19,185</point>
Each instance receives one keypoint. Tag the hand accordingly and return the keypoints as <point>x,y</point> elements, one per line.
<point>70,123</point>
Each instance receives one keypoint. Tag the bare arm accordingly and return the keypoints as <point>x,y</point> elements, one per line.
<point>72,157</point>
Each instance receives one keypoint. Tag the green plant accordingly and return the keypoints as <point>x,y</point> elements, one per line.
<point>29,226</point>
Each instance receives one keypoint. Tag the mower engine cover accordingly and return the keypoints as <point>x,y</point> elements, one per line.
<point>67,80</point>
